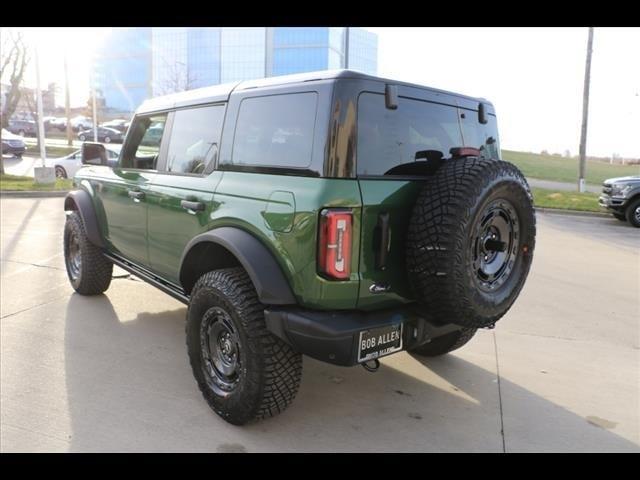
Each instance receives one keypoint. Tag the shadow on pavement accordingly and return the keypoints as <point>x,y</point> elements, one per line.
<point>130,388</point>
<point>8,248</point>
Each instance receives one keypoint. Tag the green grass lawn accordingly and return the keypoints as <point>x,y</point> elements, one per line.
<point>561,169</point>
<point>15,182</point>
<point>52,151</point>
<point>587,202</point>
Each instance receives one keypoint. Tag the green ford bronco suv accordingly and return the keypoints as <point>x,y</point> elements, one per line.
<point>332,214</point>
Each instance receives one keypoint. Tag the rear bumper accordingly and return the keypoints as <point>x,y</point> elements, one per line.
<point>333,337</point>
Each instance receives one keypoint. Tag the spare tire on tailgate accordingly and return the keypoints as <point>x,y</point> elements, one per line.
<point>470,241</point>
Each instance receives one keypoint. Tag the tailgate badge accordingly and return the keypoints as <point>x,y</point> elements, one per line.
<point>379,288</point>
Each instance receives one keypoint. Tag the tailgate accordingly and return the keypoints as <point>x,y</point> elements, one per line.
<point>384,201</point>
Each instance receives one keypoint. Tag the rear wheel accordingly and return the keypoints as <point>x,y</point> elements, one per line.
<point>107,139</point>
<point>470,241</point>
<point>445,344</point>
<point>82,138</point>
<point>633,213</point>
<point>243,370</point>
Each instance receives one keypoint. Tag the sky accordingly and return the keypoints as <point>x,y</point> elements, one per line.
<point>533,76</point>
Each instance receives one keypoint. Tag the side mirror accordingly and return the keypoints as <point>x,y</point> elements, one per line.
<point>93,154</point>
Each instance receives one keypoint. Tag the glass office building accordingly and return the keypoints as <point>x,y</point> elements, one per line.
<point>122,68</point>
<point>178,58</point>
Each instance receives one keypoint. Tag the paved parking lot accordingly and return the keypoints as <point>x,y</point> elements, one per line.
<point>561,372</point>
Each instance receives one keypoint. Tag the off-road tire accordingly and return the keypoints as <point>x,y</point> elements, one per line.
<point>631,217</point>
<point>441,240</point>
<point>270,370</point>
<point>94,274</point>
<point>445,344</point>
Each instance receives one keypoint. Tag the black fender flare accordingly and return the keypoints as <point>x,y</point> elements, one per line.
<point>84,205</point>
<point>261,266</point>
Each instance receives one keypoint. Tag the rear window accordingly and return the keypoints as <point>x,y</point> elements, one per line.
<point>276,131</point>
<point>388,138</point>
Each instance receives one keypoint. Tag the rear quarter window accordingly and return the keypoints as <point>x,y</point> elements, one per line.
<point>276,130</point>
<point>389,138</point>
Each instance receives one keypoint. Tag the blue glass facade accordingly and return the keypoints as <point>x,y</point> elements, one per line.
<point>135,64</point>
<point>122,68</point>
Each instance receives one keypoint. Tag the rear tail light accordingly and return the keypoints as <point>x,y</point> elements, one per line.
<point>334,245</point>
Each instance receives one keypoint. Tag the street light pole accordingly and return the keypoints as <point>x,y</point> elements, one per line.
<point>67,102</point>
<point>95,116</point>
<point>43,151</point>
<point>585,114</point>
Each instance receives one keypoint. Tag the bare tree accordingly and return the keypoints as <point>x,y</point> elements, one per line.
<point>177,78</point>
<point>14,59</point>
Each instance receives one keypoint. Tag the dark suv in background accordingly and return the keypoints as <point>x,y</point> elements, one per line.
<point>621,196</point>
<point>23,127</point>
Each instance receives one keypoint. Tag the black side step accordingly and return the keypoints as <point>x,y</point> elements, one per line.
<point>150,278</point>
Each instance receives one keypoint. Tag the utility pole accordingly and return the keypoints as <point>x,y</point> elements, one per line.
<point>67,102</point>
<point>585,113</point>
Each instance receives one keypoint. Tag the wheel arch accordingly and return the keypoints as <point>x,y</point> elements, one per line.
<point>80,201</point>
<point>230,246</point>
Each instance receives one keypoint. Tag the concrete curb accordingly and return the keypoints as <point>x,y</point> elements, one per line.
<point>32,193</point>
<point>579,213</point>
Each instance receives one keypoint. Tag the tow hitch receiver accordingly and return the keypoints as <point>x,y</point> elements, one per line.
<point>371,368</point>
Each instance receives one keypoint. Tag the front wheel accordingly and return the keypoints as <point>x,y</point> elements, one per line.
<point>60,172</point>
<point>82,138</point>
<point>244,371</point>
<point>88,269</point>
<point>633,213</point>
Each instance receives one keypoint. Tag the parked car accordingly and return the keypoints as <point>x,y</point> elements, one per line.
<point>66,167</point>
<point>120,125</point>
<point>60,123</point>
<point>312,231</point>
<point>621,197</point>
<point>12,144</point>
<point>80,122</point>
<point>106,135</point>
<point>23,127</point>
<point>48,122</point>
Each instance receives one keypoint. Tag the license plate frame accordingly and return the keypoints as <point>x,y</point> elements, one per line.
<point>379,342</point>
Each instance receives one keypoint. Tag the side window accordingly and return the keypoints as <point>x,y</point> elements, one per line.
<point>143,144</point>
<point>483,137</point>
<point>276,130</point>
<point>195,136</point>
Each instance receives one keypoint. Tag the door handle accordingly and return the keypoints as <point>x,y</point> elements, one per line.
<point>136,194</point>
<point>195,206</point>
